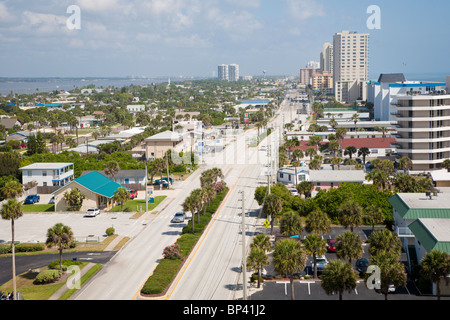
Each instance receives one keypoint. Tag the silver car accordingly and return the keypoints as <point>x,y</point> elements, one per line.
<point>179,217</point>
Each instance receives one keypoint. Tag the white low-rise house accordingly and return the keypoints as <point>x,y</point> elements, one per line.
<point>48,174</point>
<point>286,175</point>
<point>134,108</point>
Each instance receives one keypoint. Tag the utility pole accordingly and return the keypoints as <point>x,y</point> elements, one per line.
<point>146,186</point>
<point>244,260</point>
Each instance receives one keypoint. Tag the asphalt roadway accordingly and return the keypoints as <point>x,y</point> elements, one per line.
<point>29,262</point>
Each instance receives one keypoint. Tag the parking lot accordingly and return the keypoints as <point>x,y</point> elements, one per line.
<point>32,227</point>
<point>310,289</point>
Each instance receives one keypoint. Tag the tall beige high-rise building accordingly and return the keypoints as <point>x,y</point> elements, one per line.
<point>351,65</point>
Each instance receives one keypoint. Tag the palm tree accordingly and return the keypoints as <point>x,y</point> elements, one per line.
<point>111,168</point>
<point>317,222</point>
<point>261,241</point>
<point>384,241</point>
<point>349,246</point>
<point>340,134</point>
<point>60,236</point>
<point>305,188</point>
<point>310,152</point>
<point>12,190</point>
<point>446,164</point>
<point>196,195</point>
<point>405,164</point>
<point>355,119</point>
<point>374,214</point>
<point>12,210</point>
<point>436,265</point>
<point>350,214</point>
<point>121,195</point>
<point>392,271</point>
<point>350,150</point>
<point>189,204</point>
<point>338,276</point>
<point>256,260</point>
<point>289,257</point>
<point>315,246</point>
<point>272,207</point>
<point>291,224</point>
<point>364,152</point>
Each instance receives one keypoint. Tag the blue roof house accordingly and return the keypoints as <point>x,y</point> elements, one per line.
<point>98,189</point>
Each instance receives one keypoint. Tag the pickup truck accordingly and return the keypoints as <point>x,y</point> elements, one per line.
<point>32,199</point>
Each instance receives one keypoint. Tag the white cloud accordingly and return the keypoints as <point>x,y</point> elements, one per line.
<point>253,4</point>
<point>304,9</point>
<point>5,15</point>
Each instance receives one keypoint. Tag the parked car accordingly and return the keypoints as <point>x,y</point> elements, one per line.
<point>32,199</point>
<point>92,212</point>
<point>52,200</point>
<point>133,194</point>
<point>331,245</point>
<point>361,266</point>
<point>294,192</point>
<point>321,263</point>
<point>164,181</point>
<point>179,217</point>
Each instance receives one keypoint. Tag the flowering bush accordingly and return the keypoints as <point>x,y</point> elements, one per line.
<point>172,252</point>
<point>220,186</point>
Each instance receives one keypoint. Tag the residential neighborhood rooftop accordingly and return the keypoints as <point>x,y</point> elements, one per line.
<point>46,166</point>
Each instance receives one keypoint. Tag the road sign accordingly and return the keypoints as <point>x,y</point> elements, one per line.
<point>267,224</point>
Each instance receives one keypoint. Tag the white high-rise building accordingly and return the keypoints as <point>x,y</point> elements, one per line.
<point>326,58</point>
<point>222,73</point>
<point>233,72</point>
<point>351,65</point>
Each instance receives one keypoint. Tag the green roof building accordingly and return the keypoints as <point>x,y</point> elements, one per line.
<point>97,188</point>
<point>422,222</point>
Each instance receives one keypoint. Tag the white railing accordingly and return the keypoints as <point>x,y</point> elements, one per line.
<point>404,232</point>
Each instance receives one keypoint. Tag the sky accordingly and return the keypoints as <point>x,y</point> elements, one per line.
<point>156,38</point>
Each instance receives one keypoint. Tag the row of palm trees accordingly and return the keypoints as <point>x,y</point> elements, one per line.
<point>384,248</point>
<point>200,198</point>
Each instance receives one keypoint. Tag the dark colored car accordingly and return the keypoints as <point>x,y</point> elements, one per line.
<point>331,245</point>
<point>361,266</point>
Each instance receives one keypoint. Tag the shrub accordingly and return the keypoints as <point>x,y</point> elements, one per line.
<point>6,248</point>
<point>172,252</point>
<point>47,276</point>
<point>110,231</point>
<point>54,265</point>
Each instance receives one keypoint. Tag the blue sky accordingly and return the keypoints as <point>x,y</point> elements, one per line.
<point>192,37</point>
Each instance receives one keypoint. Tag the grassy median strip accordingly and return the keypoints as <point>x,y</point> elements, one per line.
<point>167,269</point>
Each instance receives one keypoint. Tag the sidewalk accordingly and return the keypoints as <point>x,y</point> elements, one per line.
<point>64,288</point>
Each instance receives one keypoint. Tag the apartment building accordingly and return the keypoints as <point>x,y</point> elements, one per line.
<point>350,65</point>
<point>327,58</point>
<point>233,72</point>
<point>48,174</point>
<point>222,72</point>
<point>321,80</point>
<point>422,111</point>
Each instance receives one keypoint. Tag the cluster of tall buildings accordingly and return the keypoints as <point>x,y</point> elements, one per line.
<point>228,72</point>
<point>344,67</point>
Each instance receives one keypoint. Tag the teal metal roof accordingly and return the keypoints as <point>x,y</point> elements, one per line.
<point>426,237</point>
<point>98,183</point>
<point>406,212</point>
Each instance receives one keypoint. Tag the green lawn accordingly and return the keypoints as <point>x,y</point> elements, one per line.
<point>38,208</point>
<point>135,205</point>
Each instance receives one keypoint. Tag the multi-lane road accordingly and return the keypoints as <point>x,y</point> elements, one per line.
<point>213,271</point>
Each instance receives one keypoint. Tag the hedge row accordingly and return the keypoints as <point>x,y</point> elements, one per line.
<point>6,248</point>
<point>167,269</point>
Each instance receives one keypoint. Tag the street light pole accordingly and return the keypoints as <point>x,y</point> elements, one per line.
<point>244,262</point>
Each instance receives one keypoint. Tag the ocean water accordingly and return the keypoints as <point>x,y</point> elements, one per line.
<point>35,85</point>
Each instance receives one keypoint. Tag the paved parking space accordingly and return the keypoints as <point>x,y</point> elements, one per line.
<point>311,290</point>
<point>33,227</point>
